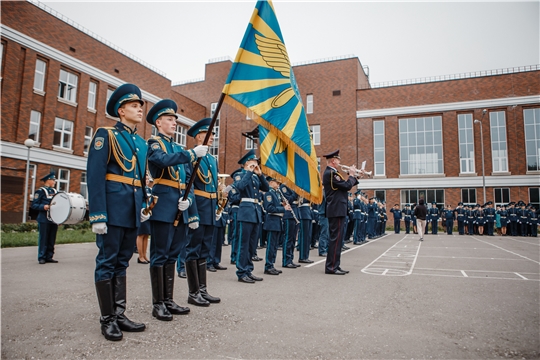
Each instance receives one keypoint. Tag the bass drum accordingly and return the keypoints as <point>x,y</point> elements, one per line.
<point>67,208</point>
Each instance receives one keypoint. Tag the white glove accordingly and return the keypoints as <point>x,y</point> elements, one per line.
<point>218,216</point>
<point>183,204</point>
<point>99,228</point>
<point>201,150</point>
<point>144,217</point>
<point>193,225</point>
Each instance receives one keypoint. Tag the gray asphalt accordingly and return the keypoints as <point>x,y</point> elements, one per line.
<point>448,297</point>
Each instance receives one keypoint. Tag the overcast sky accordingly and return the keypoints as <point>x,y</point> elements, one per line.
<point>396,40</point>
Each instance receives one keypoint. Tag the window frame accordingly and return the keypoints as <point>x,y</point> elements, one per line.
<point>214,149</point>
<point>492,128</point>
<point>180,135</point>
<point>41,74</point>
<point>535,203</point>
<point>87,139</point>
<point>84,185</point>
<point>378,149</point>
<point>63,132</point>
<point>467,201</point>
<point>503,201</point>
<point>37,125</point>
<point>429,195</point>
<point>92,95</point>
<point>466,162</point>
<point>61,181</point>
<point>309,104</point>
<point>250,144</point>
<point>531,130</point>
<point>315,132</point>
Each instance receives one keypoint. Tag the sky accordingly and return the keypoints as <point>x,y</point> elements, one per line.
<point>395,40</point>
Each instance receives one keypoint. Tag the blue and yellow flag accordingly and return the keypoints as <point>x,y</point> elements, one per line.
<point>262,84</point>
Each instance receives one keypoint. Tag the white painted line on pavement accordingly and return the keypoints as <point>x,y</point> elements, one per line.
<point>464,273</point>
<point>511,252</point>
<point>521,276</point>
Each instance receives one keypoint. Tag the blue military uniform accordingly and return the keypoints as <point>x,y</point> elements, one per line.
<point>533,222</point>
<point>234,202</point>
<point>358,218</point>
<point>373,215</point>
<point>397,219</point>
<point>214,256</point>
<point>449,220</point>
<point>490,218</point>
<point>315,230</point>
<point>290,227</point>
<point>323,225</point>
<point>116,168</point>
<point>205,187</point>
<point>434,218</point>
<point>249,219</point>
<point>166,163</point>
<point>47,229</point>
<point>407,213</point>
<point>304,234</point>
<point>273,225</point>
<point>461,214</point>
<point>513,218</point>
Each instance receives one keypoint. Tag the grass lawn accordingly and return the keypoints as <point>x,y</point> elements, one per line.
<point>64,236</point>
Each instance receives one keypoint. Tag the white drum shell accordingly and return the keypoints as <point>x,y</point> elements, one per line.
<point>67,208</point>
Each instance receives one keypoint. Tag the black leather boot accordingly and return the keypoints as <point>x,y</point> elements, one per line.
<point>109,326</point>
<point>168,284</point>
<point>194,296</point>
<point>159,310</point>
<point>120,307</point>
<point>201,266</point>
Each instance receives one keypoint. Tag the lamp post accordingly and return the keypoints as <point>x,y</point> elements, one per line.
<point>29,143</point>
<point>482,146</point>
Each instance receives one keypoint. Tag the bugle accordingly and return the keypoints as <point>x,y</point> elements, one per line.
<point>358,172</point>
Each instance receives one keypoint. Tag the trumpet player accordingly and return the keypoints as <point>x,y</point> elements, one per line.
<point>336,188</point>
<point>249,215</point>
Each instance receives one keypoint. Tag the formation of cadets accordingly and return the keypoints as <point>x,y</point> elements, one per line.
<point>513,219</point>
<point>188,229</point>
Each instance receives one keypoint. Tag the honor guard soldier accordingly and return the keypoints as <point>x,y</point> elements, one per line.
<point>373,214</point>
<point>324,235</point>
<point>533,221</point>
<point>358,218</point>
<point>523,215</point>
<point>460,212</point>
<point>513,218</point>
<point>249,215</point>
<point>470,220</point>
<point>47,229</point>
<point>449,219</point>
<point>290,226</point>
<point>490,217</point>
<point>336,189</point>
<point>116,168</point>
<point>407,218</point>
<point>434,218</point>
<point>214,256</point>
<point>315,228</point>
<point>169,166</point>
<point>503,215</point>
<point>304,234</point>
<point>273,224</point>
<point>396,211</point>
<point>234,202</point>
<point>480,219</point>
<point>202,226</point>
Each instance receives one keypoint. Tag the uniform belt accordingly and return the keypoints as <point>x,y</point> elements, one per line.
<point>295,202</point>
<point>277,214</point>
<point>357,210</point>
<point>250,200</point>
<point>305,205</point>
<point>523,217</point>
<point>205,194</point>
<point>503,217</point>
<point>234,206</point>
<point>123,179</point>
<point>171,183</point>
<point>225,213</point>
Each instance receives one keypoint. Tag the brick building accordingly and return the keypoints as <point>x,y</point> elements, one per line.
<point>419,138</point>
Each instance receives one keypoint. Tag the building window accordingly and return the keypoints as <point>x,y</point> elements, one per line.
<point>1,57</point>
<point>109,93</point>
<point>502,196</point>
<point>180,135</point>
<point>92,91</point>
<point>466,143</point>
<point>378,147</point>
<point>498,141</point>
<point>63,133</point>
<point>39,75</point>
<point>88,132</point>
<point>84,186</point>
<point>35,124</point>
<point>532,138</point>
<point>429,196</point>
<point>154,131</point>
<point>380,195</point>
<point>67,86</point>
<point>33,171</point>
<point>468,196</point>
<point>309,104</point>
<point>214,149</point>
<point>62,182</point>
<point>250,144</point>
<point>534,198</point>
<point>420,144</point>
<point>315,131</point>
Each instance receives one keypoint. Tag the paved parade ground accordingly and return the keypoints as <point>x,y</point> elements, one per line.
<point>448,297</point>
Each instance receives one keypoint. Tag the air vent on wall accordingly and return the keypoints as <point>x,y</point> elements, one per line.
<point>336,92</point>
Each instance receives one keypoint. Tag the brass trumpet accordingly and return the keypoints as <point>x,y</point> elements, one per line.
<point>221,193</point>
<point>359,172</point>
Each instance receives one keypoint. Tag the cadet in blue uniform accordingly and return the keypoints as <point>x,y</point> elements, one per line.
<point>202,225</point>
<point>47,229</point>
<point>480,218</point>
<point>490,217</point>
<point>169,166</point>
<point>304,234</point>
<point>460,212</point>
<point>407,218</point>
<point>533,221</point>
<point>397,218</point>
<point>315,228</point>
<point>234,202</point>
<point>273,224</point>
<point>449,219</point>
<point>503,215</point>
<point>434,218</point>
<point>249,215</point>
<point>336,188</point>
<point>214,256</point>
<point>323,226</point>
<point>115,168</point>
<point>523,215</point>
<point>290,227</point>
<point>358,218</point>
<point>513,218</point>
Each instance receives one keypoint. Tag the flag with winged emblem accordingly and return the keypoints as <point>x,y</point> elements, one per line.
<point>261,82</point>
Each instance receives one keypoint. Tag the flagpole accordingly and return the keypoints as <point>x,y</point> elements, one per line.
<point>196,165</point>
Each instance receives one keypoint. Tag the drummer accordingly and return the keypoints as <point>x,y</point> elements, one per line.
<point>47,228</point>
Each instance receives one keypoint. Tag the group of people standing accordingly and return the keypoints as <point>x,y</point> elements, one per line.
<point>514,219</point>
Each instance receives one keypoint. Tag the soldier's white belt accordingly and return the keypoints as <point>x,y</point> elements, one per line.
<point>357,210</point>
<point>123,179</point>
<point>295,202</point>
<point>305,205</point>
<point>205,194</point>
<point>234,206</point>
<point>171,183</point>
<point>277,214</point>
<point>250,200</point>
